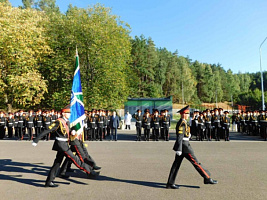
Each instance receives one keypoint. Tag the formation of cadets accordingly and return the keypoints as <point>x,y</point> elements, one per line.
<point>97,124</point>
<point>210,124</point>
<point>251,122</point>
<point>215,124</point>
<point>207,125</point>
<point>21,124</point>
<point>158,122</point>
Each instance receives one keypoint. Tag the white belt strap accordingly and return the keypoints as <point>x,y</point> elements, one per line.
<point>186,139</point>
<point>62,139</point>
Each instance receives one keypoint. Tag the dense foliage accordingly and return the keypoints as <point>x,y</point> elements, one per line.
<point>37,48</point>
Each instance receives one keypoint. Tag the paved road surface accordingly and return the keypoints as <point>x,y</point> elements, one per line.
<point>138,170</point>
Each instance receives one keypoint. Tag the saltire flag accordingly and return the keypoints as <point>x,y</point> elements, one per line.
<point>77,115</point>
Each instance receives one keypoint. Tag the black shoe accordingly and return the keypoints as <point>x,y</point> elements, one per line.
<point>210,181</point>
<point>70,170</point>
<point>63,176</point>
<point>51,184</point>
<point>93,175</point>
<point>168,186</point>
<point>96,168</point>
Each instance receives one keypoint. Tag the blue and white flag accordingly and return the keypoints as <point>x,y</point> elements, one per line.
<point>77,115</point>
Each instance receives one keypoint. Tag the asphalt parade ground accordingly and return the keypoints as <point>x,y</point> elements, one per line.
<point>138,170</point>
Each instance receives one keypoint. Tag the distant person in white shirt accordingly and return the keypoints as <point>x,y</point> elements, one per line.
<point>127,120</point>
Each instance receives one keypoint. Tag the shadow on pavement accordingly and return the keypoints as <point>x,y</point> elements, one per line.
<point>7,165</point>
<point>142,183</point>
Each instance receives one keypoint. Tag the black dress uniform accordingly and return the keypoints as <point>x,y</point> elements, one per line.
<point>79,148</point>
<point>16,118</point>
<point>108,118</point>
<point>263,126</point>
<point>217,125</point>
<point>93,126</point>
<point>38,124</point>
<point>46,124</point>
<point>254,124</point>
<point>208,126</point>
<point>21,125</point>
<point>156,126</point>
<point>106,124</point>
<point>201,127</point>
<point>194,125</point>
<point>226,126</point>
<point>30,125</point>
<point>100,125</point>
<point>86,127</point>
<point>2,127</point>
<point>146,125</point>
<point>166,122</point>
<point>138,125</point>
<point>61,128</point>
<point>243,123</point>
<point>185,150</point>
<point>10,126</point>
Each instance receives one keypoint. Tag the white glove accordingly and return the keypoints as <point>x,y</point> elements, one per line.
<point>34,144</point>
<point>178,153</point>
<point>73,132</point>
<point>189,135</point>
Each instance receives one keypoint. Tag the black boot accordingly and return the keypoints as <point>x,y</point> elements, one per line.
<point>210,181</point>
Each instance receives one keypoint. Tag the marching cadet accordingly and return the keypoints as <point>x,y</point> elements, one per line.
<point>93,125</point>
<point>183,150</point>
<point>46,123</point>
<point>208,124</point>
<point>217,124</point>
<point>226,125</point>
<point>146,125</point>
<point>10,124</point>
<point>100,124</point>
<point>2,125</point>
<point>61,127</point>
<point>38,122</point>
<point>30,124</point>
<point>156,124</point>
<point>201,127</point>
<point>166,123</point>
<point>21,124</point>
<point>138,124</point>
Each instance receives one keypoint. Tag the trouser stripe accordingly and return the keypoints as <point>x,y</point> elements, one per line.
<point>76,163</point>
<point>204,172</point>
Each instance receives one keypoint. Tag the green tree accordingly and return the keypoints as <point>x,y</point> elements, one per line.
<point>22,46</point>
<point>46,5</point>
<point>27,3</point>
<point>104,48</point>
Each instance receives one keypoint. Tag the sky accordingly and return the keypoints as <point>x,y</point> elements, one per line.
<point>228,32</point>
